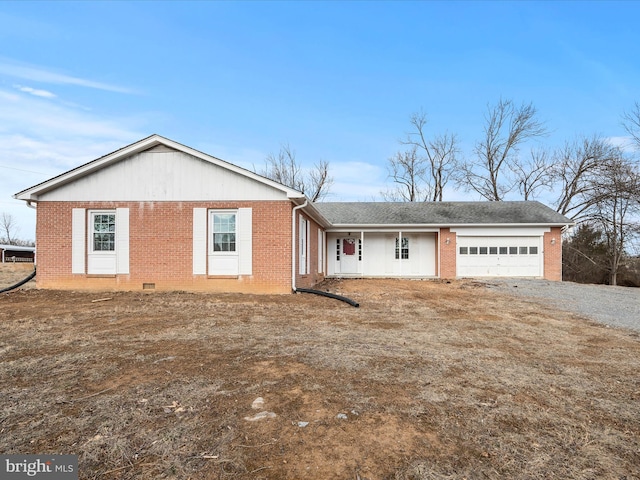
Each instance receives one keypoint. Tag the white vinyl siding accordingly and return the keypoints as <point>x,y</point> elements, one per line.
<point>152,176</point>
<point>78,240</point>
<point>199,241</point>
<point>376,255</point>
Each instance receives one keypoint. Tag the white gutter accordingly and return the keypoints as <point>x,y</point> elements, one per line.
<point>294,243</point>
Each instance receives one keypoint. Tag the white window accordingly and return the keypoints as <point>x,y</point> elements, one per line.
<point>224,232</point>
<point>402,252</point>
<point>223,251</point>
<point>222,242</point>
<point>103,232</point>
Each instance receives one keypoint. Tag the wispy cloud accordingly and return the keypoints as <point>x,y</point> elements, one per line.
<point>41,138</point>
<point>35,91</point>
<point>43,75</point>
<point>74,133</point>
<point>626,144</point>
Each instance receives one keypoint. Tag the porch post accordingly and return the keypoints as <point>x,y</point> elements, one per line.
<point>400,250</point>
<point>361,263</point>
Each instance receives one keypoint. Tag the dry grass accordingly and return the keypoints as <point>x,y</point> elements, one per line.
<point>12,273</point>
<point>436,380</point>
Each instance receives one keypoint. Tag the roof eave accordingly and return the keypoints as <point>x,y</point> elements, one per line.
<point>312,211</point>
<point>446,225</point>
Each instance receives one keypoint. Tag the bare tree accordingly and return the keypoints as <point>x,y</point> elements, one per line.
<point>436,158</point>
<point>8,228</point>
<point>631,123</point>
<point>284,168</point>
<point>319,180</point>
<point>507,126</point>
<point>616,211</point>
<point>576,172</point>
<point>408,172</point>
<point>533,174</point>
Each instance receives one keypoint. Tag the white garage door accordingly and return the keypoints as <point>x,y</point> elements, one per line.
<point>499,257</point>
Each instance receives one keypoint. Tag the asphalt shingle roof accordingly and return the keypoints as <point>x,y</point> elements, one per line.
<point>439,213</point>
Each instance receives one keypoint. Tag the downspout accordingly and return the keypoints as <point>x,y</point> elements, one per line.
<point>34,253</point>
<point>294,243</point>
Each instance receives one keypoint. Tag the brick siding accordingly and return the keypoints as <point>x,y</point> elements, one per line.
<point>447,253</point>
<point>552,250</point>
<point>161,245</point>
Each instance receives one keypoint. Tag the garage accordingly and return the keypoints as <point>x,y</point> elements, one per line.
<point>494,256</point>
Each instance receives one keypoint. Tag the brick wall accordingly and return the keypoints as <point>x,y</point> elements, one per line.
<point>447,253</point>
<point>552,249</point>
<point>160,247</point>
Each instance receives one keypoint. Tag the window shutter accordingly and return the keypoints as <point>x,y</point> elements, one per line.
<point>303,246</point>
<point>245,242</point>
<point>199,241</point>
<point>122,240</point>
<point>320,251</point>
<point>78,240</point>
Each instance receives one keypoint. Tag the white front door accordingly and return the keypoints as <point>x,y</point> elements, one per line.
<point>349,255</point>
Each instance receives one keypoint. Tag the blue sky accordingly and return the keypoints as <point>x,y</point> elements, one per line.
<point>337,81</point>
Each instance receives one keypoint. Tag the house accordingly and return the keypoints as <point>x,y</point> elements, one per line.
<point>157,214</point>
<point>443,239</point>
<point>15,253</point>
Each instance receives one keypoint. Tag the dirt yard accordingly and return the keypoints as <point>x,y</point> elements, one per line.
<point>426,380</point>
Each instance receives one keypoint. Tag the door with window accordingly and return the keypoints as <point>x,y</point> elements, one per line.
<point>350,251</point>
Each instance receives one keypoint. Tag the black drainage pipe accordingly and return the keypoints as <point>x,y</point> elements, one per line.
<point>330,295</point>
<point>21,282</point>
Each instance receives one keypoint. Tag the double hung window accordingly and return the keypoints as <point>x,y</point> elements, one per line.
<point>224,232</point>
<point>103,235</point>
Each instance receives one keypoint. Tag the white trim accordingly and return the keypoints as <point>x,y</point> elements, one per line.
<point>17,248</point>
<point>500,232</point>
<point>78,240</point>
<point>101,262</point>
<point>222,262</point>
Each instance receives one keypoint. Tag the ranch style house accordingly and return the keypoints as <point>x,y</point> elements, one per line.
<point>157,214</point>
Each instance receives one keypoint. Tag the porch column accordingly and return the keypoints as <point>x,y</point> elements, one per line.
<point>361,263</point>
<point>400,250</point>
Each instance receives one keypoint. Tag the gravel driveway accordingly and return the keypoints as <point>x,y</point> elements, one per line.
<point>614,306</point>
